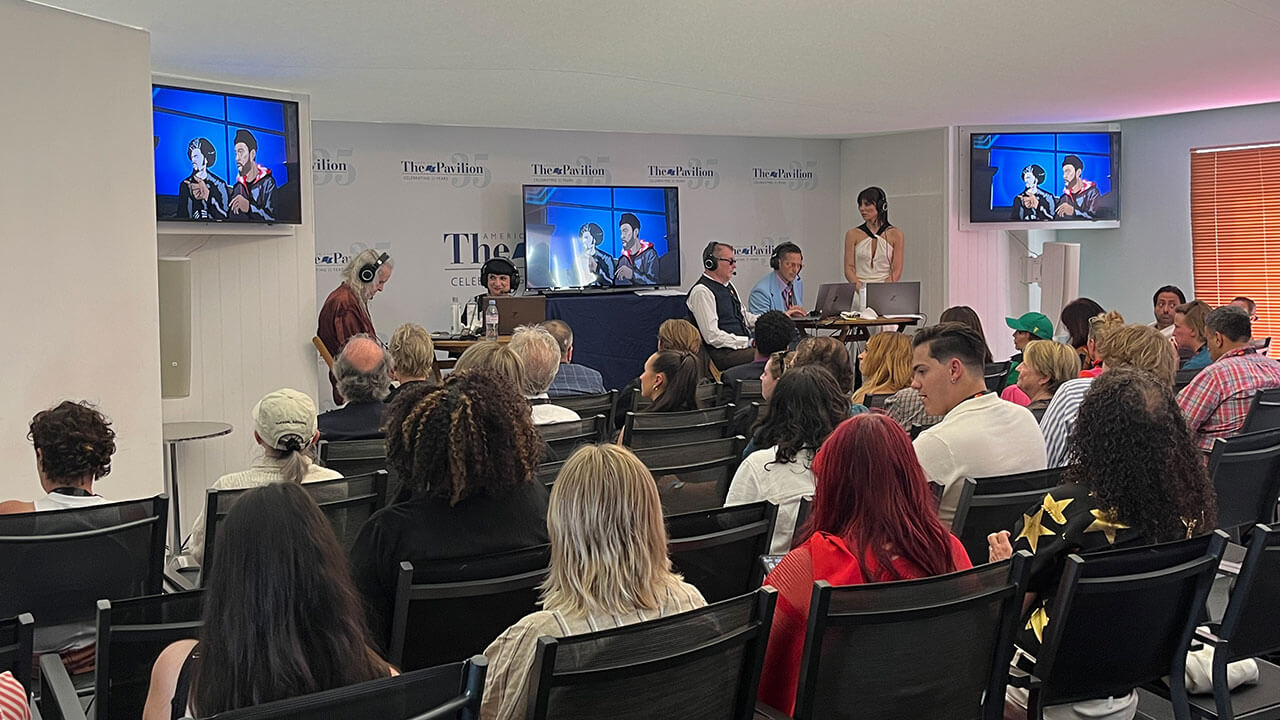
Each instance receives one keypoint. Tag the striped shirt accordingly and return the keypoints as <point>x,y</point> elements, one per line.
<point>1216,401</point>
<point>1060,418</point>
<point>511,655</point>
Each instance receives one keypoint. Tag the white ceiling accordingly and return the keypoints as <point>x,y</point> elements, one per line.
<point>796,68</point>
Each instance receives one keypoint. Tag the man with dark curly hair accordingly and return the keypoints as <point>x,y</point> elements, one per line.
<point>74,444</point>
<point>467,452</point>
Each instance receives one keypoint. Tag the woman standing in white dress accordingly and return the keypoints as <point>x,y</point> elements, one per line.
<point>873,250</point>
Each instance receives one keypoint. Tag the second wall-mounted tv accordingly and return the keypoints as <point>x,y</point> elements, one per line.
<point>224,157</point>
<point>1041,177</point>
<point>590,236</point>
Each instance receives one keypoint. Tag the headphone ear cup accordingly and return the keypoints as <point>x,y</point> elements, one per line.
<point>367,273</point>
<point>773,259</point>
<point>515,278</point>
<point>709,263</point>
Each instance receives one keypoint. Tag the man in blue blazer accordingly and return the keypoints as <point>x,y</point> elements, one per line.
<point>781,289</point>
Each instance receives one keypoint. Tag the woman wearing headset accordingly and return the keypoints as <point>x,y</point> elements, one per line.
<point>346,311</point>
<point>501,279</point>
<point>873,250</point>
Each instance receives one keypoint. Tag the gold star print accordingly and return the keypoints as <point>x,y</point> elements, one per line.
<point>1105,523</point>
<point>1033,528</point>
<point>1055,508</point>
<point>1037,622</point>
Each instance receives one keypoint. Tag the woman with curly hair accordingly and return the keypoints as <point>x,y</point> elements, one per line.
<point>806,407</point>
<point>1135,478</point>
<point>467,452</point>
<point>609,568</point>
<point>281,617</point>
<point>873,520</point>
<point>74,444</point>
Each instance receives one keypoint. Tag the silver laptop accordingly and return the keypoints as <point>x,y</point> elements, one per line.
<point>835,298</point>
<point>520,310</point>
<point>894,299</point>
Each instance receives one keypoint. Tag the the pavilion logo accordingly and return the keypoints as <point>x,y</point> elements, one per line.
<point>332,166</point>
<point>336,260</point>
<point>696,174</point>
<point>583,171</point>
<point>796,175</point>
<point>460,170</point>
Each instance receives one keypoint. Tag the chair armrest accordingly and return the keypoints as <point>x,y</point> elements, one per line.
<point>768,712</point>
<point>1206,636</point>
<point>58,700</point>
<point>176,580</point>
<point>1022,679</point>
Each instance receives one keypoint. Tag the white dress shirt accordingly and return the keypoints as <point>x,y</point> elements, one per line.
<point>703,306</point>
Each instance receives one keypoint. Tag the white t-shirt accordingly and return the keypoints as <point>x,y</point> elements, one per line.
<point>981,437</point>
<point>761,477</point>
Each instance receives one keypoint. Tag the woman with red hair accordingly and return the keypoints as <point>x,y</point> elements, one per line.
<point>873,520</point>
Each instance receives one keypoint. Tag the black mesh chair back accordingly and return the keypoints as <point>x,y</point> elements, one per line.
<point>802,517</point>
<point>131,634</point>
<point>347,502</point>
<point>746,392</point>
<point>717,551</point>
<point>703,664</point>
<point>16,648</point>
<point>563,437</point>
<point>694,475</point>
<point>588,405</point>
<point>451,610</point>
<point>354,457</point>
<point>68,559</point>
<point>708,395</point>
<point>940,646</point>
<point>995,374</point>
<point>647,430</point>
<point>452,691</point>
<point>1245,470</point>
<point>1182,378</point>
<point>1264,412</point>
<point>875,401</point>
<point>1122,618</point>
<point>997,503</point>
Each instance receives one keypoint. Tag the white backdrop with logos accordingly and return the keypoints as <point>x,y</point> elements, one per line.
<point>442,200</point>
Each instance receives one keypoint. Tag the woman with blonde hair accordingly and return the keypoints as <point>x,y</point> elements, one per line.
<point>1045,366</point>
<point>1099,327</point>
<point>494,356</point>
<point>609,568</point>
<point>413,357</point>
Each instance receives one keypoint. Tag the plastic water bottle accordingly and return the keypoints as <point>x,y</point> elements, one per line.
<point>455,319</point>
<point>473,316</point>
<point>491,321</point>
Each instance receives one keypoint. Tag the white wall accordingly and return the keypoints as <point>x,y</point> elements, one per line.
<point>1121,268</point>
<point>77,218</point>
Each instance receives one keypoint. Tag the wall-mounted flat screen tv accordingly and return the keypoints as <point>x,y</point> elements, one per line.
<point>222,157</point>
<point>1044,178</point>
<point>591,236</point>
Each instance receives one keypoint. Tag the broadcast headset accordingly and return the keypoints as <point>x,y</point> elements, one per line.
<point>500,266</point>
<point>709,260</point>
<point>369,271</point>
<point>781,249</point>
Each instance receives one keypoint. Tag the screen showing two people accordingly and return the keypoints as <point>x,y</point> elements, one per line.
<point>221,157</point>
<point>593,236</point>
<point>1044,177</point>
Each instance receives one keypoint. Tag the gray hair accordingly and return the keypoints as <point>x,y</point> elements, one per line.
<point>1229,321</point>
<point>357,386</point>
<point>351,271</point>
<point>541,356</point>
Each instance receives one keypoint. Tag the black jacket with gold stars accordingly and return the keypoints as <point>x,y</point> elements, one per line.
<point>1068,520</point>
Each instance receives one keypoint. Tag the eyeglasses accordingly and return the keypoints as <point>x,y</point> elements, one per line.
<point>731,261</point>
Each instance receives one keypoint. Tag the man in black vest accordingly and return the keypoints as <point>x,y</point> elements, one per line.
<point>718,312</point>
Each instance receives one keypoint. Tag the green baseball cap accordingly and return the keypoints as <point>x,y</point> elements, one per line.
<point>1033,322</point>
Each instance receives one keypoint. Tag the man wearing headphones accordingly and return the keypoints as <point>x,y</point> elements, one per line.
<point>638,263</point>
<point>501,279</point>
<point>781,289</point>
<point>717,310</point>
<point>346,311</point>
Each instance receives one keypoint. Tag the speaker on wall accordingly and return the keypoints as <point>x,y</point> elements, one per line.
<point>175,327</point>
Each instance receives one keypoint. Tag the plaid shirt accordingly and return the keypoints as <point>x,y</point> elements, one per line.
<point>575,379</point>
<point>1217,400</point>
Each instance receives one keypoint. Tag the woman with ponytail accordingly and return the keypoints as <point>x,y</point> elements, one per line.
<point>284,424</point>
